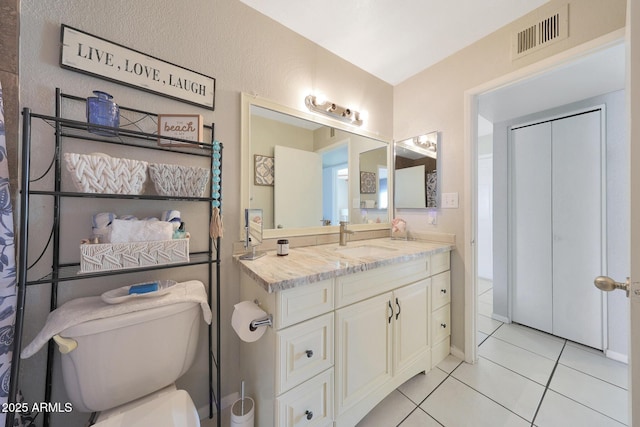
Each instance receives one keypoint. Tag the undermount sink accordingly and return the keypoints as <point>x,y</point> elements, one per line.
<point>363,251</point>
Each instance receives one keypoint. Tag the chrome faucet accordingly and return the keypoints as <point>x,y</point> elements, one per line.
<point>344,232</point>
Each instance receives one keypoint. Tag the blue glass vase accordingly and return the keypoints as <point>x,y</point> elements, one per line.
<point>101,110</point>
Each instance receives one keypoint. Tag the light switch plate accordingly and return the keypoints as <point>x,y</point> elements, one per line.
<point>450,200</point>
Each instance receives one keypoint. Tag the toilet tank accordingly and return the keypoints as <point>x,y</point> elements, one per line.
<point>121,358</point>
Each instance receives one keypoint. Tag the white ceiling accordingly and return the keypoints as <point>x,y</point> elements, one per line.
<point>394,39</point>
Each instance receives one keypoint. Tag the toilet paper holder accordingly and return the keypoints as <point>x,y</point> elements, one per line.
<point>265,321</point>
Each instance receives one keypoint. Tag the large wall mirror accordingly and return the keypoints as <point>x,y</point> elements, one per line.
<point>416,172</point>
<point>308,173</point>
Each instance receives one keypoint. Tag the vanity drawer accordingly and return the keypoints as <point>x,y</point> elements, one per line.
<point>360,286</point>
<point>304,302</point>
<point>440,290</point>
<point>303,351</point>
<point>440,262</point>
<point>310,404</point>
<point>440,324</point>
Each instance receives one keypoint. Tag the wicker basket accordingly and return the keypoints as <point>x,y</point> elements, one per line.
<point>99,173</point>
<point>180,181</point>
<point>118,256</point>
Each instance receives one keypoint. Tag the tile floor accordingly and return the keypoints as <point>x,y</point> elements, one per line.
<point>523,377</point>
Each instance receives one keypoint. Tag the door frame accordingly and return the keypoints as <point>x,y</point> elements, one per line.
<point>633,108</point>
<point>470,167</point>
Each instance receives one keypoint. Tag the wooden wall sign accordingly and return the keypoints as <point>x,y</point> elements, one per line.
<point>183,126</point>
<point>101,58</point>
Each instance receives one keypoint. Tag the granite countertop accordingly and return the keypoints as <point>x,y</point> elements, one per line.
<point>311,264</point>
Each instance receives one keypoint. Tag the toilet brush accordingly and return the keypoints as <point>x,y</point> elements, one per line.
<point>242,397</point>
<point>242,413</point>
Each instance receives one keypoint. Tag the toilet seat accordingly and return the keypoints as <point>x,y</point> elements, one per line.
<point>168,407</point>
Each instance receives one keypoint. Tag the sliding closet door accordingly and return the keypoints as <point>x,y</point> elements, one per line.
<point>577,228</point>
<point>531,224</point>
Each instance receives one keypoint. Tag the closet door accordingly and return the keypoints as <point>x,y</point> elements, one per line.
<point>531,244</point>
<point>577,228</point>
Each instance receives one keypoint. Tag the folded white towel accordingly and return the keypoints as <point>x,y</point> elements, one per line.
<point>82,310</point>
<point>123,231</point>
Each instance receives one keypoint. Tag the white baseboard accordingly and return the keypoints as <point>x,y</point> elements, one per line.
<point>227,401</point>
<point>624,358</point>
<point>457,353</point>
<point>500,318</point>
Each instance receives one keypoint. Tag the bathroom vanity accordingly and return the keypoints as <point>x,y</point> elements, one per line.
<point>350,325</point>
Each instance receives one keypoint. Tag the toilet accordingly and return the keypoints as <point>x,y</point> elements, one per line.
<point>125,366</point>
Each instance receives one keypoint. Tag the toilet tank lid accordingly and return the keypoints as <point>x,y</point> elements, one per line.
<point>96,326</point>
<point>81,310</point>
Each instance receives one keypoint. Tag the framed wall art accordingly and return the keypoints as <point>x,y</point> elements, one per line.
<point>367,182</point>
<point>263,170</point>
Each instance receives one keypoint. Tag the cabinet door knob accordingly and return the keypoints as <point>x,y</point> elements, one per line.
<point>309,353</point>
<point>444,325</point>
<point>309,414</point>
<point>398,305</point>
<point>444,291</point>
<point>390,308</point>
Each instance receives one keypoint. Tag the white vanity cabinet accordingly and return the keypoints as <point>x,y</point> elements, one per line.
<point>440,316</point>
<point>410,324</point>
<point>340,345</point>
<point>289,370</point>
<point>377,339</point>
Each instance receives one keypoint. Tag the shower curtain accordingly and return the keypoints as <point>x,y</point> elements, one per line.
<point>7,274</point>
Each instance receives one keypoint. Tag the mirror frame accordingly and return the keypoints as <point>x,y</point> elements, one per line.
<point>438,169</point>
<point>248,100</point>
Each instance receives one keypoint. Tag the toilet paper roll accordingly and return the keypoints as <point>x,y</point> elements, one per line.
<point>243,314</point>
<point>102,219</point>
<point>173,217</point>
<point>170,215</point>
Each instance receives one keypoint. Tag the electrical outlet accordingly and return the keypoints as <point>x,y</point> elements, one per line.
<point>432,217</point>
<point>450,200</point>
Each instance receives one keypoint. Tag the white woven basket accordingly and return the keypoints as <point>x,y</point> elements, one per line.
<point>117,256</point>
<point>176,180</point>
<point>99,173</point>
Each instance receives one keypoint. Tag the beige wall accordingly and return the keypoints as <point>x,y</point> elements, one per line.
<point>434,100</point>
<point>245,52</point>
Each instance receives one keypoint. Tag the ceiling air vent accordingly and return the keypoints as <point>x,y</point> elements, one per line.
<point>542,33</point>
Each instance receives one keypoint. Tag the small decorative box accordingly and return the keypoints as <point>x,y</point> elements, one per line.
<point>117,256</point>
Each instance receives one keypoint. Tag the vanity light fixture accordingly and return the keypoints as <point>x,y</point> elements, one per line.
<point>428,141</point>
<point>426,144</point>
<point>332,110</point>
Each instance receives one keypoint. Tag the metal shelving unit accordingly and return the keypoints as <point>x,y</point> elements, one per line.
<point>128,135</point>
